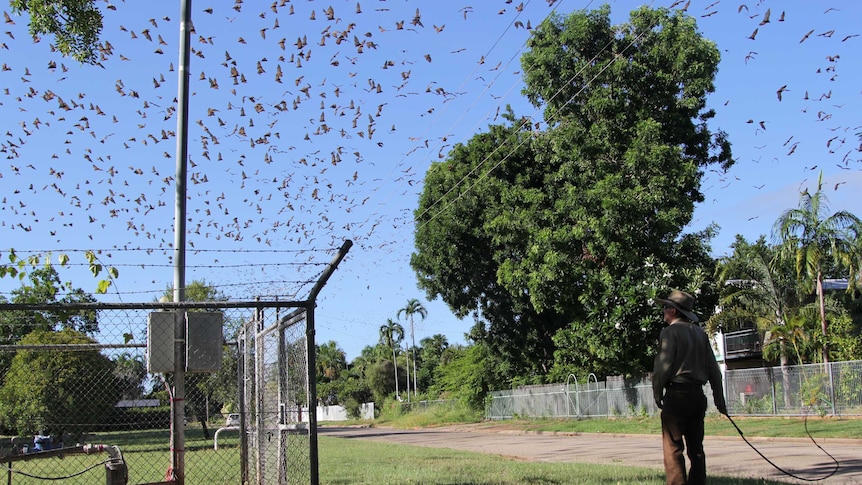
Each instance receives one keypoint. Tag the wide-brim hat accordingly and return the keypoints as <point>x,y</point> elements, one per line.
<point>682,301</point>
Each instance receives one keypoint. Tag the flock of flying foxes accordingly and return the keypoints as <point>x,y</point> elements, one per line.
<point>296,108</point>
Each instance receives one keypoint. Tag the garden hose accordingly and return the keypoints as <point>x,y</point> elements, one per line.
<point>837,465</point>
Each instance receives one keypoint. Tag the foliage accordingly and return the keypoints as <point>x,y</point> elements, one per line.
<point>380,378</point>
<point>75,24</point>
<point>130,372</point>
<point>198,290</point>
<point>845,340</point>
<point>464,377</point>
<point>544,236</point>
<point>757,291</point>
<point>52,391</point>
<point>431,350</point>
<point>817,242</point>
<point>793,333</point>
<point>413,307</point>
<point>19,267</point>
<point>44,287</point>
<point>348,390</point>
<point>330,360</point>
<point>391,335</point>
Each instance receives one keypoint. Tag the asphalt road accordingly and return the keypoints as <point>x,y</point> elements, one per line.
<point>727,456</point>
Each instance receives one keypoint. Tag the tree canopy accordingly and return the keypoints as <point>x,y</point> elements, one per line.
<point>75,24</point>
<point>52,391</point>
<point>812,238</point>
<point>557,239</point>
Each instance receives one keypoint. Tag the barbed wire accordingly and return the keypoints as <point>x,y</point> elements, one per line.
<point>190,266</point>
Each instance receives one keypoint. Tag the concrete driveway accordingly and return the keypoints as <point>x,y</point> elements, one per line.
<point>727,456</point>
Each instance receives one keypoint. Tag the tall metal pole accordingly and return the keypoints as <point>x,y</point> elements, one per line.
<point>179,394</point>
<point>311,376</point>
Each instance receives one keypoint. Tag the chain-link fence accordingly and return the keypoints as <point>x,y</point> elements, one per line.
<point>833,389</point>
<point>90,374</point>
<point>147,393</point>
<point>822,389</point>
<point>275,392</point>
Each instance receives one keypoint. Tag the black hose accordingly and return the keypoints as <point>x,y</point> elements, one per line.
<point>837,465</point>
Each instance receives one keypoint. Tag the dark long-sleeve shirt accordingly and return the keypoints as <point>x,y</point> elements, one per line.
<point>685,356</point>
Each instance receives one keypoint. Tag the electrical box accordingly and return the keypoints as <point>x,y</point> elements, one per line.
<point>204,341</point>
<point>160,341</point>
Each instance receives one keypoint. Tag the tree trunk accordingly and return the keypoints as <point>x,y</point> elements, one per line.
<point>413,339</point>
<point>395,364</point>
<point>822,301</point>
<point>407,358</point>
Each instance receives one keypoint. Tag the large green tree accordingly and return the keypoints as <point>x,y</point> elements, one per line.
<point>43,285</point>
<point>819,242</point>
<point>130,373</point>
<point>53,391</point>
<point>553,239</point>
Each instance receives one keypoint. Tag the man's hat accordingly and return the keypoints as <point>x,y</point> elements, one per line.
<point>683,302</point>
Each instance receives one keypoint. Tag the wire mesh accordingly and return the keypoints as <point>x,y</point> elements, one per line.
<point>75,374</point>
<point>276,398</point>
<point>833,389</point>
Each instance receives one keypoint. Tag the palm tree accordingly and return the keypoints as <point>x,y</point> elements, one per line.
<point>414,307</point>
<point>756,288</point>
<point>391,335</point>
<point>330,360</point>
<point>431,350</point>
<point>812,239</point>
<point>792,332</point>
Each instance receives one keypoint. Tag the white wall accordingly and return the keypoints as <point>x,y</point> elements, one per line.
<point>338,413</point>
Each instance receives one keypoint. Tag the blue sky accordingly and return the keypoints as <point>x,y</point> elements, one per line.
<point>324,130</point>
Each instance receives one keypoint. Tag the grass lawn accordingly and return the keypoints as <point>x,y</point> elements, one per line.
<point>344,461</point>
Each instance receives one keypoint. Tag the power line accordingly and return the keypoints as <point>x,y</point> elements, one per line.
<point>524,140</point>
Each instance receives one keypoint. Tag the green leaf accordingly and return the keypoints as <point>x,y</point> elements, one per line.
<point>113,272</point>
<point>103,286</point>
<point>95,269</point>
<point>63,259</point>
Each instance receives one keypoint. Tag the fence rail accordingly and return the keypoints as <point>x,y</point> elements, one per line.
<point>68,388</point>
<point>833,389</point>
<point>68,372</point>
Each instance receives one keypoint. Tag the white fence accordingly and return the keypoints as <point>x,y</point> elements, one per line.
<point>824,389</point>
<point>338,413</point>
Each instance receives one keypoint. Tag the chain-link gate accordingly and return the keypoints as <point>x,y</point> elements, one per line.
<point>275,400</point>
<point>79,404</point>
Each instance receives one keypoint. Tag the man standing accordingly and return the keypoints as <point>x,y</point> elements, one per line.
<point>685,363</point>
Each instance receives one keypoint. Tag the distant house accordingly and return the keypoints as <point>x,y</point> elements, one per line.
<point>138,403</point>
<point>743,349</point>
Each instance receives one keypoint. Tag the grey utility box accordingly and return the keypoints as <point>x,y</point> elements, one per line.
<point>203,341</point>
<point>160,341</point>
